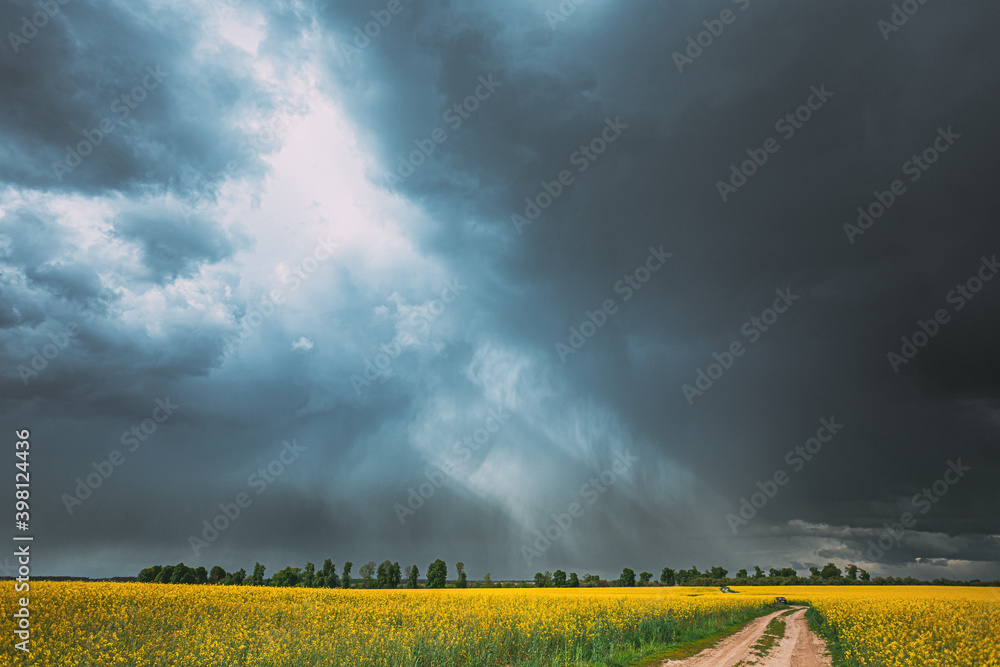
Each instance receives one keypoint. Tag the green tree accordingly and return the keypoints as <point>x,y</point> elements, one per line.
<point>395,575</point>
<point>757,572</point>
<point>668,576</point>
<point>462,582</point>
<point>644,577</point>
<point>234,578</point>
<point>384,574</point>
<point>487,581</point>
<point>346,579</point>
<point>328,575</point>
<point>290,576</point>
<point>830,571</point>
<point>741,573</point>
<point>148,575</point>
<point>201,574</point>
<point>177,573</point>
<point>627,578</point>
<point>685,577</point>
<point>852,572</point>
<point>540,580</point>
<point>864,576</point>
<point>559,579</point>
<point>412,574</point>
<point>257,578</point>
<point>437,574</point>
<point>718,572</point>
<point>182,574</point>
<point>309,576</point>
<point>367,574</point>
<point>216,575</point>
<point>574,581</point>
<point>814,572</point>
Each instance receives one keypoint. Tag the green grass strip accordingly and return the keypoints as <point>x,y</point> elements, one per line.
<point>682,650</point>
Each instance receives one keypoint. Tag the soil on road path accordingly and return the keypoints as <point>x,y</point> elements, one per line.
<point>800,647</point>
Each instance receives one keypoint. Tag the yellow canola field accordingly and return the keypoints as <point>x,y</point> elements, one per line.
<point>150,625</point>
<point>83,624</point>
<point>909,626</point>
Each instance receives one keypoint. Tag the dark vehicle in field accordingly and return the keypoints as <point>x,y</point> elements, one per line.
<point>782,600</point>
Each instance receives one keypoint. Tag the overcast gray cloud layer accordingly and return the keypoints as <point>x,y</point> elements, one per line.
<point>253,279</point>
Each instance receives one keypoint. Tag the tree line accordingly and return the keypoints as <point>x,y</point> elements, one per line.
<point>716,575</point>
<point>390,575</point>
<point>370,575</point>
<point>712,576</point>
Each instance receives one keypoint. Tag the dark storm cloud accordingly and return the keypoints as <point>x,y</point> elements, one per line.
<point>126,84</point>
<point>783,229</point>
<point>890,544</point>
<point>172,246</point>
<point>60,300</point>
<point>495,348</point>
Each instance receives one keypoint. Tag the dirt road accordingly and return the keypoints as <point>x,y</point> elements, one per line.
<point>798,648</point>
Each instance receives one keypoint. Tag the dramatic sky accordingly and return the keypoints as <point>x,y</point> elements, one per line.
<point>231,274</point>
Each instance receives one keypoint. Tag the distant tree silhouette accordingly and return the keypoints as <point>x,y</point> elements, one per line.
<point>830,571</point>
<point>367,574</point>
<point>236,578</point>
<point>328,575</point>
<point>309,575</point>
<point>437,574</point>
<point>383,576</point>
<point>290,576</point>
<point>182,574</point>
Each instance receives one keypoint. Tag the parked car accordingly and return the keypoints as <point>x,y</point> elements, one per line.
<point>782,600</point>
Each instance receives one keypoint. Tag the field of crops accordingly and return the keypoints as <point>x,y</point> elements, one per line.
<point>152,624</point>
<point>909,626</point>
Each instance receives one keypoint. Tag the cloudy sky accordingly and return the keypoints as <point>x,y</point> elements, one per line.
<point>521,284</point>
